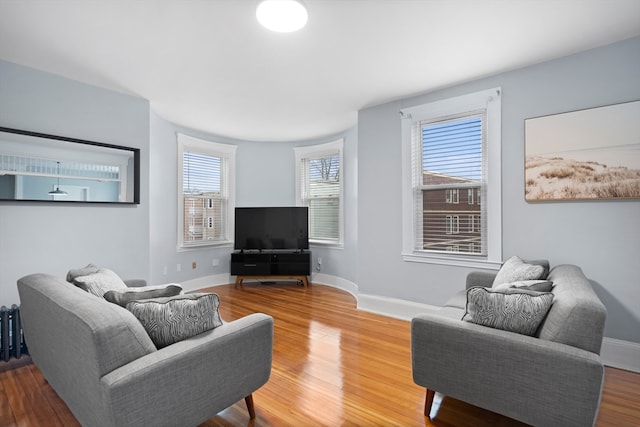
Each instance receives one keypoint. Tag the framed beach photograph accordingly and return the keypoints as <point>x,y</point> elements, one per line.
<point>590,154</point>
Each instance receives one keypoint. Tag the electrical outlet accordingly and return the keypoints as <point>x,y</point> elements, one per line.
<point>178,267</point>
<point>215,262</point>
<point>193,265</point>
<point>164,271</point>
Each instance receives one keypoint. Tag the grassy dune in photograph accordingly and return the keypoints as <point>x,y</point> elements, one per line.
<point>557,178</point>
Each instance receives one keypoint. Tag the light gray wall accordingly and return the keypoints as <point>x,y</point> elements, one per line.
<point>602,237</point>
<point>140,241</point>
<point>265,176</point>
<point>51,238</point>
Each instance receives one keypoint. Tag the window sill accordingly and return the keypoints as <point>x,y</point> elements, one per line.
<point>205,246</point>
<point>454,261</point>
<point>325,245</point>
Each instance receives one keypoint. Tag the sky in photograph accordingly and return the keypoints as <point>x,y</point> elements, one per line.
<point>609,135</point>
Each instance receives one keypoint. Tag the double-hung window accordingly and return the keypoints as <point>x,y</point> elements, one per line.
<point>319,186</point>
<point>205,192</point>
<point>452,148</point>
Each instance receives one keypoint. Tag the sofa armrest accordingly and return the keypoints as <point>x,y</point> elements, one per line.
<point>192,380</point>
<point>480,278</point>
<point>535,381</point>
<point>135,283</point>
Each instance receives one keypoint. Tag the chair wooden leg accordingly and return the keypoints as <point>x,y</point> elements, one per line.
<point>428,401</point>
<point>249,401</point>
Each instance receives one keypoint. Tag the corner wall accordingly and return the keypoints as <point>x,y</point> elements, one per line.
<point>52,238</point>
<point>265,176</point>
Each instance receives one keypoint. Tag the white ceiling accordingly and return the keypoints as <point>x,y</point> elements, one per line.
<point>209,66</point>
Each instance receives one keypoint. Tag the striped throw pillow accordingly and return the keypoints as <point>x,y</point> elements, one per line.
<point>515,310</point>
<point>172,319</point>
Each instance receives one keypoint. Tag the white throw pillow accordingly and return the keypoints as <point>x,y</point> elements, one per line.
<point>515,269</point>
<point>100,282</point>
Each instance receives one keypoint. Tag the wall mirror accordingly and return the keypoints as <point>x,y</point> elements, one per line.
<point>41,167</point>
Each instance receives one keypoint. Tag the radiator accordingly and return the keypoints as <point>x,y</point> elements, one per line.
<point>11,337</point>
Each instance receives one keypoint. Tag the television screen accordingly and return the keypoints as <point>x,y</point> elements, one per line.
<point>269,228</point>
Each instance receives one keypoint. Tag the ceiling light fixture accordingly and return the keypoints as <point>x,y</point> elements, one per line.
<point>283,16</point>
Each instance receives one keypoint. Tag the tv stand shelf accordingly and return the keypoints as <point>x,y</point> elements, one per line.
<point>280,265</point>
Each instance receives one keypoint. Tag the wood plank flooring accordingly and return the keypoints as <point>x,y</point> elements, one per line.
<point>332,366</point>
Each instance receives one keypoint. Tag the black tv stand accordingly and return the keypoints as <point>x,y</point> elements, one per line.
<point>271,265</point>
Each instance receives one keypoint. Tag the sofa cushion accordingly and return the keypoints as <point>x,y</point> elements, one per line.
<point>531,285</point>
<point>515,310</point>
<point>123,297</point>
<point>100,282</point>
<point>172,319</point>
<point>515,269</point>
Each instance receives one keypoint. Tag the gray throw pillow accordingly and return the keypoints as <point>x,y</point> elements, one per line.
<point>515,310</point>
<point>515,269</point>
<point>172,319</point>
<point>84,271</point>
<point>100,282</point>
<point>531,285</point>
<point>122,298</point>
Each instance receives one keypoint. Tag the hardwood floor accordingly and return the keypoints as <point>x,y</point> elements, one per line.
<point>332,366</point>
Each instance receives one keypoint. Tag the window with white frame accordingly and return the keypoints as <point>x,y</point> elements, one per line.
<point>319,186</point>
<point>452,225</point>
<point>448,146</point>
<point>452,195</point>
<point>205,192</point>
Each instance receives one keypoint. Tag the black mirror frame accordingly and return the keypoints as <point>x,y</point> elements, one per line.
<point>136,162</point>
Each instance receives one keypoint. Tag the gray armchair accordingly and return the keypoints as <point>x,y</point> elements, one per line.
<point>99,359</point>
<point>552,379</point>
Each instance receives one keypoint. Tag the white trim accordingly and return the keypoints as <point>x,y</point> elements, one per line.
<point>215,149</point>
<point>206,282</point>
<point>336,282</point>
<point>621,354</point>
<point>315,151</point>
<point>490,100</point>
<point>392,307</point>
<point>477,263</point>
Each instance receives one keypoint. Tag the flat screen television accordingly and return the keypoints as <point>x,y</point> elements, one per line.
<point>272,228</point>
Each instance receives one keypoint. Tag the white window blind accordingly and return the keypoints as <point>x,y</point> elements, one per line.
<point>319,187</point>
<point>448,153</point>
<point>451,196</point>
<point>204,217</point>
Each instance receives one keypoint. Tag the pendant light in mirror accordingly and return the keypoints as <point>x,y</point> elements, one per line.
<point>58,191</point>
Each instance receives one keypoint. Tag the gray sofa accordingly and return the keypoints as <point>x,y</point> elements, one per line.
<point>554,378</point>
<point>99,359</point>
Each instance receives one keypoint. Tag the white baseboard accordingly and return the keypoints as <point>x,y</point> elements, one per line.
<point>615,353</point>
<point>392,307</point>
<point>621,354</point>
<point>206,282</point>
<point>335,282</point>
